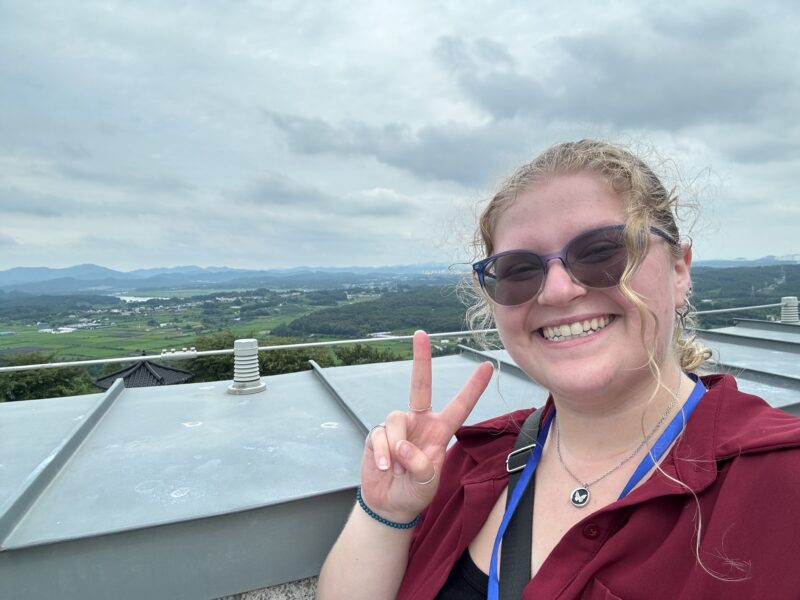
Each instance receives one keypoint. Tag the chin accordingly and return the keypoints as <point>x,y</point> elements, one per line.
<point>586,382</point>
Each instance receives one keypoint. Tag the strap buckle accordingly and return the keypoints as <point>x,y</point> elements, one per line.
<point>517,459</point>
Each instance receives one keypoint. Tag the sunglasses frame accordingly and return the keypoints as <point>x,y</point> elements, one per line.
<point>479,268</point>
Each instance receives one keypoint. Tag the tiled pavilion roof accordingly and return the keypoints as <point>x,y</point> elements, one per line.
<point>145,374</point>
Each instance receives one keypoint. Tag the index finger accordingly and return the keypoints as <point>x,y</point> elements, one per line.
<point>420,397</point>
<point>459,408</point>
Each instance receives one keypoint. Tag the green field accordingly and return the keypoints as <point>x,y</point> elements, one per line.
<point>132,329</point>
<point>119,340</point>
<point>134,338</point>
<point>128,337</point>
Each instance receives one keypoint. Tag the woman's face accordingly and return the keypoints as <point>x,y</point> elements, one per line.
<point>543,220</point>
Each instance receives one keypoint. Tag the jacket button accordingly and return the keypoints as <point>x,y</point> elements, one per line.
<point>591,531</point>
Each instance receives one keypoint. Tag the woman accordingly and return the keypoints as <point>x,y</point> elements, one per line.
<point>647,482</point>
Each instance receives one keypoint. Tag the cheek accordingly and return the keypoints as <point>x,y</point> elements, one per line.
<point>510,322</point>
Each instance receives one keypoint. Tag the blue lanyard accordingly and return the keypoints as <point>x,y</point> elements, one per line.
<point>666,439</point>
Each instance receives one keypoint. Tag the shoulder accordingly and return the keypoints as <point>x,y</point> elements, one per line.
<point>507,424</point>
<point>746,424</point>
<point>488,439</point>
<point>480,451</point>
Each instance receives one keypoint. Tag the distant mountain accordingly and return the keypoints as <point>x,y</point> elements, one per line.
<point>95,279</point>
<point>19,275</point>
<point>144,273</point>
<point>417,268</point>
<point>788,259</point>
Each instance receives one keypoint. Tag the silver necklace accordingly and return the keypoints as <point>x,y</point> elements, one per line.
<point>580,496</point>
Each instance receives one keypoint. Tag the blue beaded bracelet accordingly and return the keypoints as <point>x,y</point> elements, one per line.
<point>380,519</point>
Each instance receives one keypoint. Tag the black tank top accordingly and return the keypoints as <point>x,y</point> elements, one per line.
<point>466,581</point>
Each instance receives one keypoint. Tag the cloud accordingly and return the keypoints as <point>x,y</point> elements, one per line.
<point>462,56</point>
<point>465,154</point>
<point>267,240</point>
<point>668,71</point>
<point>704,23</point>
<point>283,196</point>
<point>150,133</point>
<point>46,188</point>
<point>7,241</point>
<point>15,200</point>
<point>749,145</point>
<point>137,182</point>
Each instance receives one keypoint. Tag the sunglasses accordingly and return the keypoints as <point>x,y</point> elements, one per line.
<point>595,259</point>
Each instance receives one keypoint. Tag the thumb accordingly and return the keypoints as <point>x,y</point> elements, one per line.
<point>420,468</point>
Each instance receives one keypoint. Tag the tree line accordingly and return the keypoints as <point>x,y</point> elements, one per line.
<point>17,306</point>
<point>430,308</point>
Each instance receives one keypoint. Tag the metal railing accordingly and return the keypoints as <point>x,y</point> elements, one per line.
<point>788,306</point>
<point>190,354</point>
<point>740,308</point>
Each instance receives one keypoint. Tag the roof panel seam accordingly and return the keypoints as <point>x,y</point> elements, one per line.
<point>340,397</point>
<point>499,363</point>
<point>44,473</point>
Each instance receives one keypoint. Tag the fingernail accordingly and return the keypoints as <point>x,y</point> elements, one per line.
<point>403,449</point>
<point>383,464</point>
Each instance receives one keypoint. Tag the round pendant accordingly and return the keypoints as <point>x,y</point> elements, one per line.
<point>580,497</point>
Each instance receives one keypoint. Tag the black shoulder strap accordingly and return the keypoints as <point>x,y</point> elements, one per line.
<point>515,558</point>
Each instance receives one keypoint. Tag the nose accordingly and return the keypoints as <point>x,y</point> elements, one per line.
<point>558,287</point>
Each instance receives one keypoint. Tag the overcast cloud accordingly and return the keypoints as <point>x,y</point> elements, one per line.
<point>272,134</point>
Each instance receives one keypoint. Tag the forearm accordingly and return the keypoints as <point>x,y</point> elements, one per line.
<point>400,473</point>
<point>367,561</point>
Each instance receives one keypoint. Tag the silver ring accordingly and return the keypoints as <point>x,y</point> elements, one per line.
<point>419,410</point>
<point>369,433</point>
<point>429,480</point>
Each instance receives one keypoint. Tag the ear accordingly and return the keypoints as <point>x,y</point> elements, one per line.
<point>683,276</point>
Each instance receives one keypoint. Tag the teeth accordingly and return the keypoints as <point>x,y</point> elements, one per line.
<point>565,332</point>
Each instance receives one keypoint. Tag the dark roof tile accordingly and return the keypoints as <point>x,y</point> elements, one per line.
<point>144,374</point>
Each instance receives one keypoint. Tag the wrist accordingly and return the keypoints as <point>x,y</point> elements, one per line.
<point>400,522</point>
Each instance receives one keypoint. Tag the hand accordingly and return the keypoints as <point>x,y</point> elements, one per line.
<point>401,457</point>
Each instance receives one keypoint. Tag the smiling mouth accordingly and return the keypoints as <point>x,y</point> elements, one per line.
<point>578,329</point>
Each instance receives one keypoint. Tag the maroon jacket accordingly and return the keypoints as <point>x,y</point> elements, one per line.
<point>741,458</point>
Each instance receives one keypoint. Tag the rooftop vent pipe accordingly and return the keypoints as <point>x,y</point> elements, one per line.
<point>246,378</point>
<point>789,309</point>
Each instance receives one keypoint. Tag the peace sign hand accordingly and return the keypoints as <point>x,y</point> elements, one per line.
<point>402,461</point>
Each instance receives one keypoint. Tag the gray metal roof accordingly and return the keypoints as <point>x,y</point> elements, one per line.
<point>190,492</point>
<point>86,480</point>
<point>763,355</point>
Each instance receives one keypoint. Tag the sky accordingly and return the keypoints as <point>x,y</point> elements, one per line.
<point>278,134</point>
